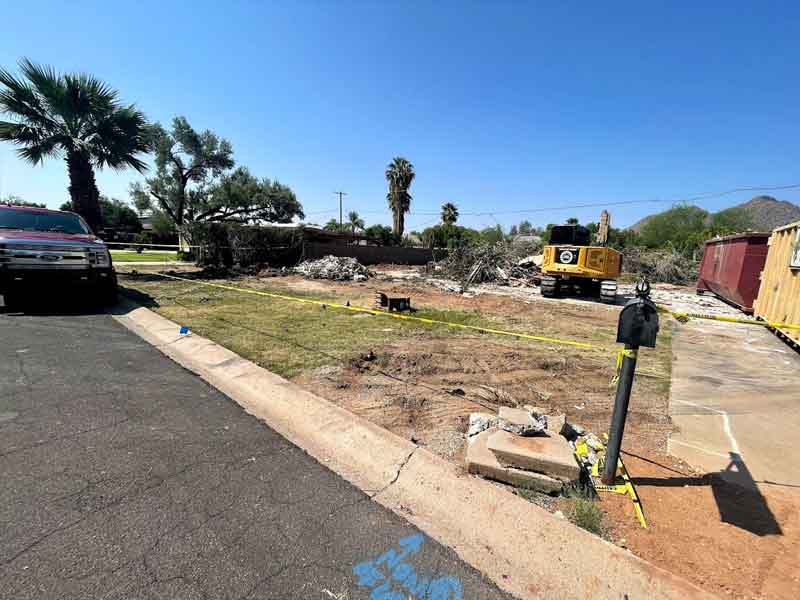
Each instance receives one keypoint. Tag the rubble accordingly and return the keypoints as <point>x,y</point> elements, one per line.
<point>521,421</point>
<point>588,447</point>
<point>518,446</point>
<point>338,268</point>
<point>479,422</point>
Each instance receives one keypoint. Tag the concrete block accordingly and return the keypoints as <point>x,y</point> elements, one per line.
<point>481,461</point>
<point>550,454</point>
<point>555,423</point>
<point>520,416</point>
<point>520,421</point>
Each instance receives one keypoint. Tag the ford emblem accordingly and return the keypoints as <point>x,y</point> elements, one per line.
<point>50,257</point>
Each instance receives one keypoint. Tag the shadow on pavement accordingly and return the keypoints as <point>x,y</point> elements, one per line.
<point>53,303</point>
<point>739,500</point>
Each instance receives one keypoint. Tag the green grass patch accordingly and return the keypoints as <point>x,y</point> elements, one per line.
<point>586,514</point>
<point>282,336</point>
<point>132,256</point>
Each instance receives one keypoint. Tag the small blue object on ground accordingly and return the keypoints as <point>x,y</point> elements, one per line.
<point>184,329</point>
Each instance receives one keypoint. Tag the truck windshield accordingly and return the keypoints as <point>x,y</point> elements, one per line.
<point>42,221</point>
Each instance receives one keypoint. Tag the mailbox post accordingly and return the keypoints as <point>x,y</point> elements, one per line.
<point>638,326</point>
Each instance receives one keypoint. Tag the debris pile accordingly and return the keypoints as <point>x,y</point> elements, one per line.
<point>587,446</point>
<point>487,263</point>
<point>523,447</point>
<point>338,268</point>
<point>660,266</point>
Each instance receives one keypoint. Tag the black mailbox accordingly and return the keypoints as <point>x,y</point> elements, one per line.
<point>638,323</point>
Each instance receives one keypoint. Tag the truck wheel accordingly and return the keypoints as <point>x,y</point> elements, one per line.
<point>108,291</point>
<point>550,287</point>
<point>608,291</point>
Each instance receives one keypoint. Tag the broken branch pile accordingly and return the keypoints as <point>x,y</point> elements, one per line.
<point>660,266</point>
<point>338,268</point>
<point>486,263</point>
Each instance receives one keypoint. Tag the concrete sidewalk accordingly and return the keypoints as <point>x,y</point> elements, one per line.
<point>735,399</point>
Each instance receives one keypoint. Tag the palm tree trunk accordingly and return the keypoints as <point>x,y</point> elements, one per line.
<point>401,223</point>
<point>83,189</point>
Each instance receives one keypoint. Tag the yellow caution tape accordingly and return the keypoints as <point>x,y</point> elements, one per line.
<point>625,487</point>
<point>683,317</point>
<point>621,353</point>
<point>393,315</point>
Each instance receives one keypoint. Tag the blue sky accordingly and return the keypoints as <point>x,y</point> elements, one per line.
<point>501,106</point>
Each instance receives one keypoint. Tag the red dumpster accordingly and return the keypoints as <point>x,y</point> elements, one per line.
<point>731,267</point>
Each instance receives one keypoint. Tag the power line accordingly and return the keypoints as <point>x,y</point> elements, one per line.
<point>691,198</point>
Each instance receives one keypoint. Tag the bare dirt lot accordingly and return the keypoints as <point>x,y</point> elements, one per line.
<point>422,381</point>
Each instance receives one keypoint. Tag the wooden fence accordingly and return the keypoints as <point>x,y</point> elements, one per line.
<point>779,292</point>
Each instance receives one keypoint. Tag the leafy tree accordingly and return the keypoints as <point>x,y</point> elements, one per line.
<point>449,236</point>
<point>354,221</point>
<point>677,227</point>
<point>619,239</point>
<point>163,226</point>
<point>75,115</point>
<point>449,213</point>
<point>399,175</point>
<point>731,220</point>
<point>380,232</point>
<point>335,226</point>
<point>573,221</point>
<point>11,200</point>
<point>525,227</point>
<point>492,235</point>
<point>194,182</point>
<point>514,231</point>
<point>118,215</point>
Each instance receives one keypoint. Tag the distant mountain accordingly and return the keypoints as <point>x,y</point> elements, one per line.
<point>767,213</point>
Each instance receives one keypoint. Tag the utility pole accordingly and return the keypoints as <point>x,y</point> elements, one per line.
<point>340,194</point>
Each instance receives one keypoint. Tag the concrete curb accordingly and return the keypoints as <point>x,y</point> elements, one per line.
<point>524,549</point>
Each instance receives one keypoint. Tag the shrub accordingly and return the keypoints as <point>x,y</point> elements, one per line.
<point>215,247</point>
<point>227,244</point>
<point>251,245</point>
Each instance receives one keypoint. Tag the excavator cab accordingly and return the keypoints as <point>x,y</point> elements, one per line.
<point>571,264</point>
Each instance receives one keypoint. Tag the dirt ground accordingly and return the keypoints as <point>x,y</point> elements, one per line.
<point>686,511</point>
<point>405,387</point>
<point>423,387</point>
<point>732,541</point>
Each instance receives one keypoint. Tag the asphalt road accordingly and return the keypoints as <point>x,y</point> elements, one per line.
<point>124,476</point>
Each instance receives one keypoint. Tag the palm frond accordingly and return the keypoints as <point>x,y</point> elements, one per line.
<point>20,99</point>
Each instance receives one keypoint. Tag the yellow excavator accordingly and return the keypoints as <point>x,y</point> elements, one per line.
<point>573,265</point>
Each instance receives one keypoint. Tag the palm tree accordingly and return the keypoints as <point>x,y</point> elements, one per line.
<point>449,213</point>
<point>399,174</point>
<point>354,221</point>
<point>76,116</point>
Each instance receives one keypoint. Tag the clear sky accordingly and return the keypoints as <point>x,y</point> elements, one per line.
<point>501,106</point>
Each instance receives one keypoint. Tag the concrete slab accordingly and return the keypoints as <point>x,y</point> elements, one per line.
<point>520,416</point>
<point>482,461</point>
<point>549,454</point>
<point>734,401</point>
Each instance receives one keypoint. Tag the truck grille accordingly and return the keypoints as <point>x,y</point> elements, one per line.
<point>45,256</point>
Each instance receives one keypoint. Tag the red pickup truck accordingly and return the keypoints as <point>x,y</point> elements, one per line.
<point>51,249</point>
